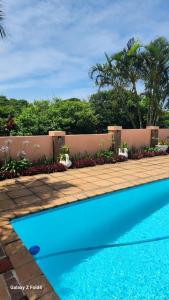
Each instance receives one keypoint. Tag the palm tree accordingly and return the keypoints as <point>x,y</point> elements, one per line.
<point>121,70</point>
<point>155,74</point>
<point>2,31</point>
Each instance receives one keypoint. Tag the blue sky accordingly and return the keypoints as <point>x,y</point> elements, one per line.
<point>52,44</point>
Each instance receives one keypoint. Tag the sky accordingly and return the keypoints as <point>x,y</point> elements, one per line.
<point>52,44</point>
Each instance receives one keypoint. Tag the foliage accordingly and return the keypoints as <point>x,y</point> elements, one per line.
<point>138,153</point>
<point>84,163</point>
<point>43,161</point>
<point>163,142</point>
<point>124,145</point>
<point>64,150</point>
<point>16,166</point>
<point>134,64</point>
<point>104,153</point>
<point>116,107</point>
<point>73,116</point>
<point>55,167</point>
<point>7,175</point>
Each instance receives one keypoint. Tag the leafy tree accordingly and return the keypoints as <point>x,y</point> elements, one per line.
<point>34,119</point>
<point>9,107</point>
<point>155,74</point>
<point>115,107</point>
<point>73,116</point>
<point>135,64</point>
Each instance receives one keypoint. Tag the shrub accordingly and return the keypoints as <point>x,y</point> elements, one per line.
<point>56,167</point>
<point>136,155</point>
<point>110,160</point>
<point>7,175</point>
<point>64,150</point>
<point>83,163</point>
<point>99,161</point>
<point>149,153</point>
<point>121,158</point>
<point>16,166</point>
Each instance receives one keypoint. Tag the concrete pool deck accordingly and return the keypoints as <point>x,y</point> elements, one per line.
<point>30,194</point>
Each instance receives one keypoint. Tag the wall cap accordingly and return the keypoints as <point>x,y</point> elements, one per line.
<point>57,133</point>
<point>113,128</point>
<point>152,127</point>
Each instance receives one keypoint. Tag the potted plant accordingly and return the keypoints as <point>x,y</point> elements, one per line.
<point>64,156</point>
<point>123,150</point>
<point>149,151</point>
<point>162,145</point>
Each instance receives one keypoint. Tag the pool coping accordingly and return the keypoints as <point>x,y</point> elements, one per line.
<point>16,263</point>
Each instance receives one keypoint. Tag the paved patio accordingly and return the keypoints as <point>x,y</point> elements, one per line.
<point>27,195</point>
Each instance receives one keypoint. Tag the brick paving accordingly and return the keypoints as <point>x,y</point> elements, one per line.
<point>30,194</point>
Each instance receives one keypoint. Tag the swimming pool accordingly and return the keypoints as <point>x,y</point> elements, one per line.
<point>134,220</point>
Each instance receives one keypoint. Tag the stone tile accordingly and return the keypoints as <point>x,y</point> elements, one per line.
<point>41,189</point>
<point>5,265</point>
<point>20,258</point>
<point>8,275</point>
<point>28,200</point>
<point>33,183</point>
<point>4,294</point>
<point>8,236</point>
<point>13,248</point>
<point>71,190</point>
<point>14,187</point>
<point>49,296</point>
<point>19,193</point>
<point>15,294</point>
<point>4,197</point>
<point>37,293</point>
<point>89,186</point>
<point>104,176</point>
<point>6,205</point>
<point>102,183</point>
<point>28,271</point>
<point>2,253</point>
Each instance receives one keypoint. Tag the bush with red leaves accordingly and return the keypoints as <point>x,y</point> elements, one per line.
<point>121,158</point>
<point>137,155</point>
<point>100,160</point>
<point>56,167</point>
<point>161,152</point>
<point>110,160</point>
<point>7,175</point>
<point>82,163</point>
<point>149,154</point>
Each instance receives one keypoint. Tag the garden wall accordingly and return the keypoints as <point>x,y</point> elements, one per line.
<point>34,146</point>
<point>88,142</point>
<point>38,146</point>
<point>136,137</point>
<point>163,133</point>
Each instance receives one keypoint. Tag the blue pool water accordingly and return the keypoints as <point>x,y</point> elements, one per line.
<point>129,272</point>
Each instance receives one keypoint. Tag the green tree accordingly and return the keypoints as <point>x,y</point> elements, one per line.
<point>155,74</point>
<point>34,119</point>
<point>9,107</point>
<point>114,107</point>
<point>137,64</point>
<point>73,116</point>
<point>121,71</point>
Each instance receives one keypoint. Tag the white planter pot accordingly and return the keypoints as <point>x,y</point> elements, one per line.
<point>67,162</point>
<point>123,152</point>
<point>162,147</point>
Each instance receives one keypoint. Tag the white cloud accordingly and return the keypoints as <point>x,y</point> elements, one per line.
<point>53,43</point>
